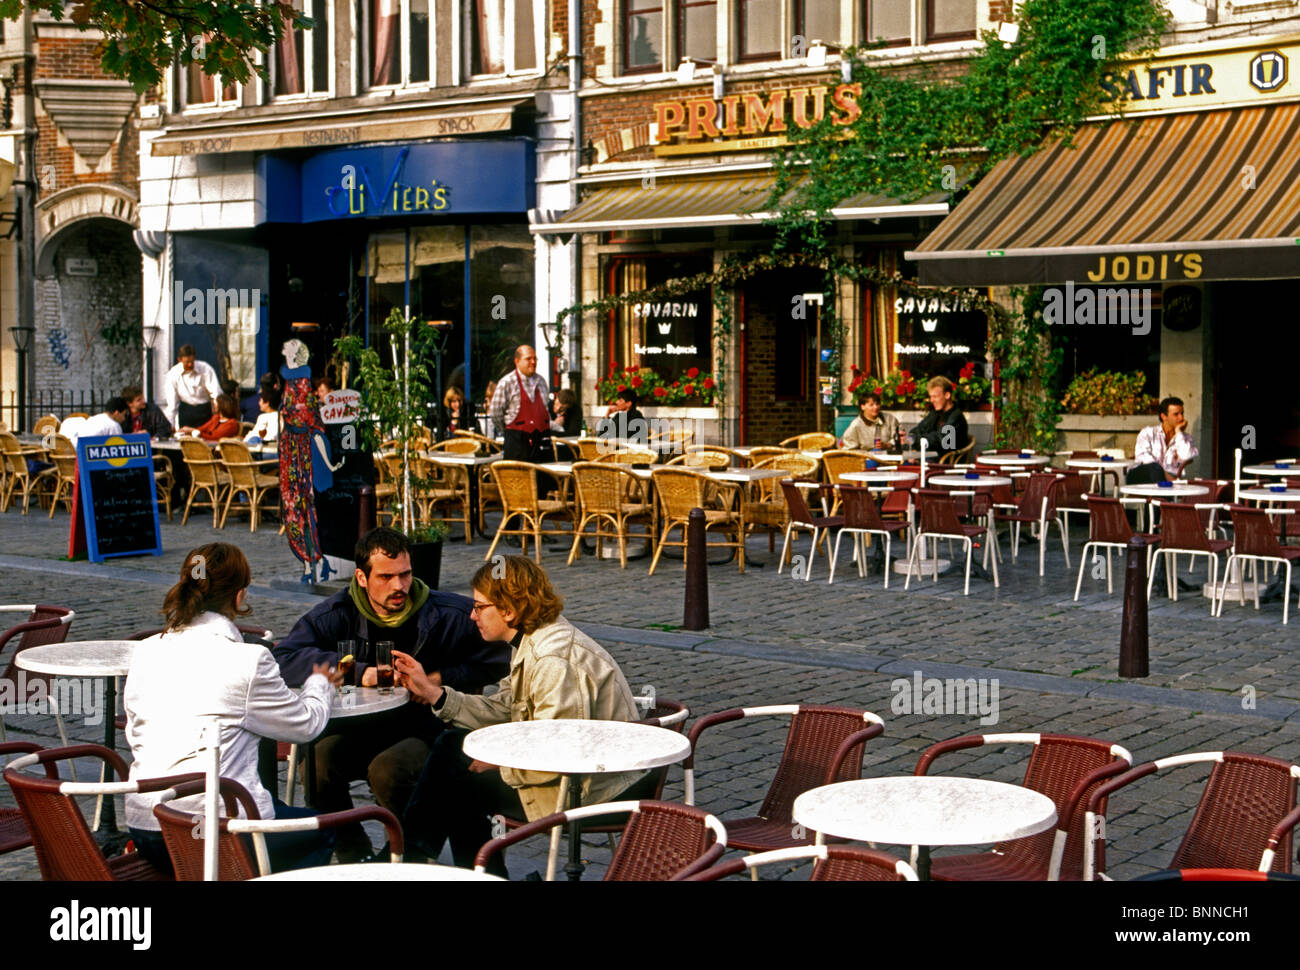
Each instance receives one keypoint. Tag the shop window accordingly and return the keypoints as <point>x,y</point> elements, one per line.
<point>400,41</point>
<point>889,21</point>
<point>502,36</point>
<point>203,90</point>
<point>949,20</point>
<point>669,335</point>
<point>759,29</point>
<point>302,59</point>
<point>892,21</point>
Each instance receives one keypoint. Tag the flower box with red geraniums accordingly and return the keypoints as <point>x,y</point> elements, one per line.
<point>691,388</point>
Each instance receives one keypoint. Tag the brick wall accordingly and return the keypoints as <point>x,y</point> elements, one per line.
<point>767,304</point>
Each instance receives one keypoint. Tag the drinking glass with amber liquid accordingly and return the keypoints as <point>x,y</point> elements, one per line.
<point>384,666</point>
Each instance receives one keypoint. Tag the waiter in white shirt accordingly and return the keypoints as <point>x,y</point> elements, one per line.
<point>190,390</point>
<point>108,422</point>
<point>1163,450</point>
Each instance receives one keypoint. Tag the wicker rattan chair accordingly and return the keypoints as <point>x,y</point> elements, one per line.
<point>43,625</point>
<point>760,453</point>
<point>65,847</point>
<point>1108,529</point>
<point>517,483</point>
<point>17,475</point>
<point>448,485</point>
<point>1254,541</point>
<point>234,861</point>
<point>485,444</point>
<point>839,461</point>
<point>459,445</point>
<point>662,841</point>
<point>64,456</point>
<point>764,506</point>
<point>810,441</point>
<point>207,477</point>
<point>164,478</point>
<point>824,745</point>
<point>602,490</point>
<point>1243,820</point>
<point>833,863</point>
<point>702,458</point>
<point>247,478</point>
<point>46,424</point>
<point>1064,768</point>
<point>680,490</point>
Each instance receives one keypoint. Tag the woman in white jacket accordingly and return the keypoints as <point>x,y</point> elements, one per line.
<point>200,668</point>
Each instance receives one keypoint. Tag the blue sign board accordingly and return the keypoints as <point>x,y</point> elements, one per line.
<point>117,495</point>
<point>438,178</point>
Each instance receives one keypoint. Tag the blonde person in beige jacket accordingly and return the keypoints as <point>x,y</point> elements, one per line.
<point>556,671</point>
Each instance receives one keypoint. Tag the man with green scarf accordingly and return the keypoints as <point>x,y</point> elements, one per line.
<point>385,602</point>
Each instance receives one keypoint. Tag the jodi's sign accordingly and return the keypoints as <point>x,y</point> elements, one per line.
<point>1192,77</point>
<point>753,120</point>
<point>422,179</point>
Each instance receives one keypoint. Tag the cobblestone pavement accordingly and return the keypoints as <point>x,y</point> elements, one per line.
<point>1215,683</point>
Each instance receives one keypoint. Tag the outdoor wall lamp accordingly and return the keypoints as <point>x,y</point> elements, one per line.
<point>686,75</point>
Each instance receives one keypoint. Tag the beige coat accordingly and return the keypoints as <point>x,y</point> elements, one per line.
<point>556,671</point>
<point>861,435</point>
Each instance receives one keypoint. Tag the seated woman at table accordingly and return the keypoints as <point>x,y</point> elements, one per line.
<point>872,428</point>
<point>223,424</point>
<point>200,668</point>
<point>555,671</point>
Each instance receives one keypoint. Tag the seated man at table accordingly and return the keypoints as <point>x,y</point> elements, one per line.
<point>144,416</point>
<point>623,420</point>
<point>556,671</point>
<point>944,428</point>
<point>1163,450</point>
<point>872,428</point>
<point>435,629</point>
<point>110,421</point>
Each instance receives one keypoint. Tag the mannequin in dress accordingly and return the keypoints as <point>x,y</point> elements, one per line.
<point>305,466</point>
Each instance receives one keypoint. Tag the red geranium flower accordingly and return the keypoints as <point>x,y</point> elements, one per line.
<point>661,392</point>
<point>708,383</point>
<point>689,388</point>
<point>853,367</point>
<point>905,374</point>
<point>693,373</point>
<point>637,381</point>
<point>879,391</point>
<point>630,369</point>
<point>901,390</point>
<point>614,366</point>
<point>622,387</point>
<point>677,383</point>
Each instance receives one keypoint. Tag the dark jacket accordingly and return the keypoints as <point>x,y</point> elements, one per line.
<point>154,421</point>
<point>932,427</point>
<point>630,425</point>
<point>447,641</point>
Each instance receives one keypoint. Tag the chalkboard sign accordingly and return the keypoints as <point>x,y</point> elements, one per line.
<point>337,509</point>
<point>117,494</point>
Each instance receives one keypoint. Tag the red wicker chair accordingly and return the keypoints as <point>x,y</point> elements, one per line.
<point>1243,820</point>
<point>13,830</point>
<point>1255,541</point>
<point>1037,506</point>
<point>824,745</point>
<point>1108,528</point>
<point>1063,767</point>
<point>939,521</point>
<point>802,519</point>
<point>44,625</point>
<point>861,517</point>
<point>662,841</point>
<point>835,863</point>
<point>1182,531</point>
<point>65,847</point>
<point>234,861</point>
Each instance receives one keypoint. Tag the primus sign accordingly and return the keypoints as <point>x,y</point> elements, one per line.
<point>752,120</point>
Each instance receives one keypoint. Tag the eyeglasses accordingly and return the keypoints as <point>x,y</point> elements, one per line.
<point>480,607</point>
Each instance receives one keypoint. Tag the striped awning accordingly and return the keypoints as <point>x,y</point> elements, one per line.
<point>697,202</point>
<point>1212,195</point>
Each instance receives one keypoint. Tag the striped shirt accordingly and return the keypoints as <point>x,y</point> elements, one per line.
<point>505,402</point>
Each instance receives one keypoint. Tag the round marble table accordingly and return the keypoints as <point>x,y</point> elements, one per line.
<point>925,810</point>
<point>1015,461</point>
<point>575,747</point>
<point>1279,469</point>
<point>103,659</point>
<point>349,702</point>
<point>961,481</point>
<point>1099,467</point>
<point>881,476</point>
<point>380,872</point>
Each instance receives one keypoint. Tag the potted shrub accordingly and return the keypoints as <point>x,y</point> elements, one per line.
<point>1104,409</point>
<point>393,401</point>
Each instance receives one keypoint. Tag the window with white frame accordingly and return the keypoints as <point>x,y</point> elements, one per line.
<point>204,91</point>
<point>502,35</point>
<point>301,61</point>
<point>400,40</point>
<point>899,23</point>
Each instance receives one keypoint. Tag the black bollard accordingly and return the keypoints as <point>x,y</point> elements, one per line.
<point>1133,652</point>
<point>365,510</point>
<point>697,576</point>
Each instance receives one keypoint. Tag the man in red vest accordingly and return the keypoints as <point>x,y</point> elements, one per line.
<point>520,408</point>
